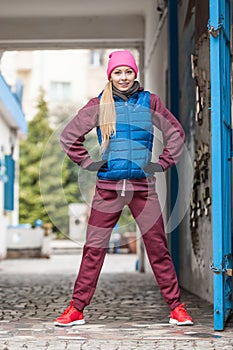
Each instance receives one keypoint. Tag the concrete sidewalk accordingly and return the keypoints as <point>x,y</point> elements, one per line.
<point>127,311</point>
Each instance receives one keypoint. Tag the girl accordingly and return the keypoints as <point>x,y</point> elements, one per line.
<point>124,115</point>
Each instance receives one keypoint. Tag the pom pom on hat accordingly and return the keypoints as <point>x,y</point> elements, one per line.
<point>121,58</point>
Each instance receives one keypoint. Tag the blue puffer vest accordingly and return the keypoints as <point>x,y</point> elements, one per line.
<point>129,150</point>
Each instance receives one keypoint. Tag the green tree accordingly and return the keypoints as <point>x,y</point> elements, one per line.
<point>53,174</point>
<point>49,180</point>
<point>40,156</point>
<point>31,149</point>
<point>45,189</point>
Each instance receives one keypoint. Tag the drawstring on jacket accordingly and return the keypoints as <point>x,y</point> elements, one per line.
<point>123,188</point>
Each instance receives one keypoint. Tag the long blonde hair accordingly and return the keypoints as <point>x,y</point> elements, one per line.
<point>107,117</point>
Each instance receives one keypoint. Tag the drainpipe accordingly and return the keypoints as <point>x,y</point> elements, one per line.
<point>173,98</point>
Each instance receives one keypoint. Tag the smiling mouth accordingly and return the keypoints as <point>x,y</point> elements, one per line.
<point>124,84</point>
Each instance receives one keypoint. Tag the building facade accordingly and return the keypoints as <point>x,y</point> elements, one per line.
<point>13,126</point>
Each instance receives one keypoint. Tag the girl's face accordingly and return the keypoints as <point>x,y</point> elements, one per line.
<point>123,78</point>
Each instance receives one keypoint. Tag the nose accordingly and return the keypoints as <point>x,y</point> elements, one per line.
<point>123,76</point>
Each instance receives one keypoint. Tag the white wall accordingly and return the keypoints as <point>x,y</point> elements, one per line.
<point>62,66</point>
<point>10,218</point>
<point>155,67</point>
<point>156,52</point>
<point>39,69</point>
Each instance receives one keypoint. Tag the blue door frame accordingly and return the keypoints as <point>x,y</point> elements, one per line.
<point>221,129</point>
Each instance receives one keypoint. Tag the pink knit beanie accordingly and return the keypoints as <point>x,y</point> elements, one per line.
<point>121,58</point>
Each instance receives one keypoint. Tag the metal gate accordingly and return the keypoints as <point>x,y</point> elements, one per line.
<point>221,128</point>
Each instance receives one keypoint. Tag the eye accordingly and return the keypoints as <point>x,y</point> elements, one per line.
<point>117,72</point>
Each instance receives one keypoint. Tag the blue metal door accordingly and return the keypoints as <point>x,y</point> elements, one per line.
<point>219,28</point>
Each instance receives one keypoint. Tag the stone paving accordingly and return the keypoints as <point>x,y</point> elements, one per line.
<point>126,313</point>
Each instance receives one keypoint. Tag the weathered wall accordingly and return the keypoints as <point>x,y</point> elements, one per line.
<point>195,229</point>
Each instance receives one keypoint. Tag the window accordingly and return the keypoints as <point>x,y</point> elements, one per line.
<point>60,90</point>
<point>97,57</point>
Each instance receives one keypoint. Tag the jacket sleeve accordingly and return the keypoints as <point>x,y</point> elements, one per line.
<point>73,136</point>
<point>172,131</point>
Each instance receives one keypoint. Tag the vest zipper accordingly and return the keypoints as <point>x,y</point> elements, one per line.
<point>128,124</point>
<point>123,188</point>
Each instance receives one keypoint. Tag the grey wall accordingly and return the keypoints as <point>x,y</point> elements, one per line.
<point>195,229</point>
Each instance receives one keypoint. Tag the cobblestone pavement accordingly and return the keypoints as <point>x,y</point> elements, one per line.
<point>126,313</point>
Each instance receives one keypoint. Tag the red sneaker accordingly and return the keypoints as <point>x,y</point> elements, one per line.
<point>70,317</point>
<point>180,317</point>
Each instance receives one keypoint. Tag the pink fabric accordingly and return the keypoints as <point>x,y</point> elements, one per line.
<point>106,209</point>
<point>121,58</point>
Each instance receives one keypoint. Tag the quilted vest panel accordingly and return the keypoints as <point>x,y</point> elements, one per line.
<point>129,150</point>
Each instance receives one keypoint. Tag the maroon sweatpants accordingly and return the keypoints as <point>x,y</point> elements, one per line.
<point>106,209</point>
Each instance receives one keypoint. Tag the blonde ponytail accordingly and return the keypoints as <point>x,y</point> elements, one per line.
<point>107,118</point>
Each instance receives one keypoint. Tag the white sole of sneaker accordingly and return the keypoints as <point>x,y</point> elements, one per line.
<point>185,323</point>
<point>74,323</point>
